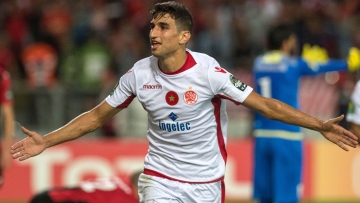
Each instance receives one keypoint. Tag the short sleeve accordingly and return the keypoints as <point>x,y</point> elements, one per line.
<point>124,91</point>
<point>225,85</point>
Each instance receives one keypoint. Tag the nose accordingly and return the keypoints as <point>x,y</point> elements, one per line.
<point>153,33</point>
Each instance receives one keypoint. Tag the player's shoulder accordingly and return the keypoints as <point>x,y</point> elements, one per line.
<point>204,61</point>
<point>144,63</point>
<point>201,58</point>
<point>143,66</point>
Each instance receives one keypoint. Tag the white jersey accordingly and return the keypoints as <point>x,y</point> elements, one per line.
<point>187,120</point>
<point>353,114</point>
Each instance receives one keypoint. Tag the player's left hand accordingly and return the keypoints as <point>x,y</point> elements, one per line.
<point>337,134</point>
<point>353,59</point>
<point>314,54</point>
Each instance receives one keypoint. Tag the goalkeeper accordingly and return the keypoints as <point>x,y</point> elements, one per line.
<point>278,146</point>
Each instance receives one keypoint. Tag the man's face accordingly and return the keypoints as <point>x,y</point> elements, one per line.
<point>292,43</point>
<point>164,36</point>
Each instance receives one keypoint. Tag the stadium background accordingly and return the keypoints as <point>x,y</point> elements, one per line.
<point>84,46</point>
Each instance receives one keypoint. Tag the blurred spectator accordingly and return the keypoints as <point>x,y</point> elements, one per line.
<point>40,61</point>
<point>7,120</point>
<point>81,73</point>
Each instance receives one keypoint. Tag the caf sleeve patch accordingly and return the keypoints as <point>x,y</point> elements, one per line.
<point>237,83</point>
<point>113,90</point>
<point>351,108</point>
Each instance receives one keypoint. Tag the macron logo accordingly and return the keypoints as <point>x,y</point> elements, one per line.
<point>221,70</point>
<point>157,86</point>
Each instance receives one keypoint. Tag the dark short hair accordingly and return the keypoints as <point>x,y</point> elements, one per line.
<point>277,34</point>
<point>177,11</point>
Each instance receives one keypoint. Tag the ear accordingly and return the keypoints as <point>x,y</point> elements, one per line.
<point>184,37</point>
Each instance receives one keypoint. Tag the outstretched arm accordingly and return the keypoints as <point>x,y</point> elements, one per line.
<point>89,121</point>
<point>277,110</point>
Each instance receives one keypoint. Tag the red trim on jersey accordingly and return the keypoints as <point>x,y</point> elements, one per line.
<point>228,98</point>
<point>189,63</point>
<point>216,101</point>
<point>126,103</point>
<point>222,191</point>
<point>160,175</point>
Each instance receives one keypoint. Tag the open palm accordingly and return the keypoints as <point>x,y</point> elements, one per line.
<point>31,146</point>
<point>337,134</point>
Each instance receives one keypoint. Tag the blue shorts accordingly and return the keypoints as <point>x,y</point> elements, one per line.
<point>277,170</point>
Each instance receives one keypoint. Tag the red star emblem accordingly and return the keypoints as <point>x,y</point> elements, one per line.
<point>171,98</point>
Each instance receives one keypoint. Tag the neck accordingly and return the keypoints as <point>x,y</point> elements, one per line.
<point>174,62</point>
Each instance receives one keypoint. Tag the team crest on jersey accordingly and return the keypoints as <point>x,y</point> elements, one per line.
<point>113,90</point>
<point>237,83</point>
<point>171,98</point>
<point>190,96</point>
<point>351,108</point>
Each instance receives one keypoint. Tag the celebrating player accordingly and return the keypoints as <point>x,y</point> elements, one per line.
<point>278,150</point>
<point>184,94</point>
<point>7,118</point>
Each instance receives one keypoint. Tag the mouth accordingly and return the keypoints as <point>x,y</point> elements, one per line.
<point>154,44</point>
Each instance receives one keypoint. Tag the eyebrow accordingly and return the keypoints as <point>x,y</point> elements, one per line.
<point>160,23</point>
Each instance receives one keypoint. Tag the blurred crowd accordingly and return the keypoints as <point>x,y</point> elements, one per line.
<point>65,56</point>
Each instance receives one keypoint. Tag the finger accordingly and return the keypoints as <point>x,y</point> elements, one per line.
<point>354,139</point>
<point>342,146</point>
<point>21,155</point>
<point>17,145</point>
<point>348,142</point>
<point>24,157</point>
<point>26,131</point>
<point>19,149</point>
<point>338,119</point>
<point>18,155</point>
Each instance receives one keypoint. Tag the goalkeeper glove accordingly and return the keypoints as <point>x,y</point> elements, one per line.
<point>353,59</point>
<point>314,54</point>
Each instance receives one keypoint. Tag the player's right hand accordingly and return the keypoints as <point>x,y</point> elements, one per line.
<point>353,59</point>
<point>31,146</point>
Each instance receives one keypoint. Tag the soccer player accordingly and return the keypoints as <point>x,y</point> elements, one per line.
<point>7,120</point>
<point>184,94</point>
<point>109,190</point>
<point>278,150</point>
<point>353,114</point>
